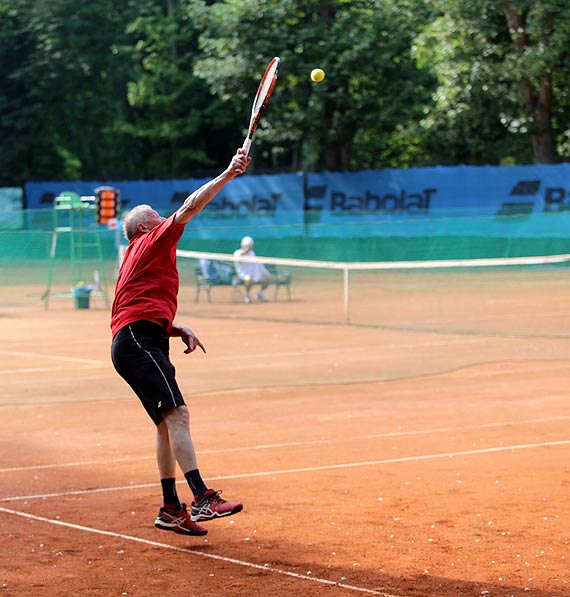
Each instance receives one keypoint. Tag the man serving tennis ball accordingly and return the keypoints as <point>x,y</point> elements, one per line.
<point>142,323</point>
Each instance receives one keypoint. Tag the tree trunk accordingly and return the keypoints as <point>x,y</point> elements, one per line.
<point>337,155</point>
<point>538,98</point>
<point>540,106</point>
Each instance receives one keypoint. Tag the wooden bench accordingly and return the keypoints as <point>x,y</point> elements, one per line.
<point>281,279</point>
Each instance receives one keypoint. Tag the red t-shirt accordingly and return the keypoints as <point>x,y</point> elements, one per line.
<point>147,286</point>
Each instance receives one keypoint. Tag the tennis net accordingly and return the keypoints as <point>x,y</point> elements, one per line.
<point>517,295</point>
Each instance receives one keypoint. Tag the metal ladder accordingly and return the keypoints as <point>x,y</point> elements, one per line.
<point>76,217</point>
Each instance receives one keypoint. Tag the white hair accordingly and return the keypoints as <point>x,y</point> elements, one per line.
<point>246,241</point>
<point>136,216</point>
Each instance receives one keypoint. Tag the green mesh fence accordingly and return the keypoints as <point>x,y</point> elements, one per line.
<point>26,241</point>
<point>26,236</point>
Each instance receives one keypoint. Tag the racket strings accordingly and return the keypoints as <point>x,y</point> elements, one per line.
<point>265,88</point>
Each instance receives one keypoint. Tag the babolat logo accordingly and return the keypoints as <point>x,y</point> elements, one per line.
<point>224,209</point>
<point>556,199</point>
<point>518,206</point>
<point>47,199</point>
<point>369,203</point>
<point>314,202</point>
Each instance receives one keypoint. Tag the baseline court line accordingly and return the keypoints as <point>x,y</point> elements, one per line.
<point>52,357</point>
<point>29,370</point>
<point>308,469</point>
<point>194,552</point>
<point>314,442</point>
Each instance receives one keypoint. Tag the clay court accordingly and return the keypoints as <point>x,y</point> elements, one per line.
<point>421,451</point>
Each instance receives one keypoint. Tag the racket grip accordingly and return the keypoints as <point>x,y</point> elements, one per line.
<point>246,145</point>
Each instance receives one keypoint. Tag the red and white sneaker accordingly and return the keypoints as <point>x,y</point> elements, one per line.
<point>213,506</point>
<point>178,521</point>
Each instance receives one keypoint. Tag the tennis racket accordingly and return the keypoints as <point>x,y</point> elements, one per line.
<point>262,96</point>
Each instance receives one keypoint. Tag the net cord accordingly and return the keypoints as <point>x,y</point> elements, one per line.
<point>386,265</point>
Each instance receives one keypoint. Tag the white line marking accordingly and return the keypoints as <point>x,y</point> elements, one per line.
<point>30,370</point>
<point>52,357</point>
<point>40,467</point>
<point>326,467</point>
<point>272,356</point>
<point>195,552</point>
<point>314,442</point>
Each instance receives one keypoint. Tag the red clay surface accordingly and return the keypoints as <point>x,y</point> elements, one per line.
<point>427,454</point>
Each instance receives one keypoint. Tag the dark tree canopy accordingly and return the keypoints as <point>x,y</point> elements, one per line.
<point>161,89</point>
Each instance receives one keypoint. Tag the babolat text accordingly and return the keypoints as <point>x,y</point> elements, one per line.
<point>556,199</point>
<point>390,202</point>
<point>226,209</point>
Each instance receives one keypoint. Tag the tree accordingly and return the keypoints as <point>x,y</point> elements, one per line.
<point>372,82</point>
<point>60,89</point>
<point>540,33</point>
<point>179,125</point>
<point>501,67</point>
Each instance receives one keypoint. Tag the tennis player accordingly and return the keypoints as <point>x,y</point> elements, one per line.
<point>142,323</point>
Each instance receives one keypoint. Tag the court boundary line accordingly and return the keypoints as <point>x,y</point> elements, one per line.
<point>54,357</point>
<point>96,364</point>
<point>196,552</point>
<point>315,442</point>
<point>326,467</point>
<point>317,383</point>
<point>373,326</point>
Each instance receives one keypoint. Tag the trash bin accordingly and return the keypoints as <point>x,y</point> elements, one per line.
<point>82,294</point>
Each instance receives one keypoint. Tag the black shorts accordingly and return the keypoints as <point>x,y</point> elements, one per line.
<point>140,355</point>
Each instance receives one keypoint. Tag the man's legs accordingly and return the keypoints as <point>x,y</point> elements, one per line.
<point>166,466</point>
<point>248,283</point>
<point>176,429</point>
<point>265,282</point>
<point>173,515</point>
<point>164,455</point>
<point>208,504</point>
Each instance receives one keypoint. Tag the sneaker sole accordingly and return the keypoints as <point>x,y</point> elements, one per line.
<point>165,526</point>
<point>201,518</point>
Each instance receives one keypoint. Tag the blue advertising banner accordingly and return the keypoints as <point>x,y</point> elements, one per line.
<point>421,201</point>
<point>273,205</point>
<point>459,200</point>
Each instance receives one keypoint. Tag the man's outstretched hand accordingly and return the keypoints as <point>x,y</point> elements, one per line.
<point>188,337</point>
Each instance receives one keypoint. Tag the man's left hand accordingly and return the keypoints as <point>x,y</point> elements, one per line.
<point>189,338</point>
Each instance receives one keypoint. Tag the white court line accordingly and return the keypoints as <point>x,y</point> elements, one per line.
<point>353,349</point>
<point>231,358</point>
<point>52,357</point>
<point>325,467</point>
<point>314,442</point>
<point>195,552</point>
<point>30,370</point>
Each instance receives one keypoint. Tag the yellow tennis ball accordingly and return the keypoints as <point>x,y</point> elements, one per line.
<point>317,75</point>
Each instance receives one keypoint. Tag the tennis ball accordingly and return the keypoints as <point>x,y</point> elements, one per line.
<point>317,75</point>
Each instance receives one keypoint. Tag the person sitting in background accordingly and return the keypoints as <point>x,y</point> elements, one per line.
<point>251,273</point>
<point>216,271</point>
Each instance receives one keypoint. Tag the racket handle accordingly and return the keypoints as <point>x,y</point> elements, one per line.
<point>246,145</point>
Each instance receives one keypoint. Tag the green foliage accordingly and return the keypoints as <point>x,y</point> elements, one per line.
<point>493,59</point>
<point>371,90</point>
<point>163,88</point>
<point>174,114</point>
<point>58,87</point>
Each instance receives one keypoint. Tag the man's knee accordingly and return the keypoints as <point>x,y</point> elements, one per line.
<point>178,416</point>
